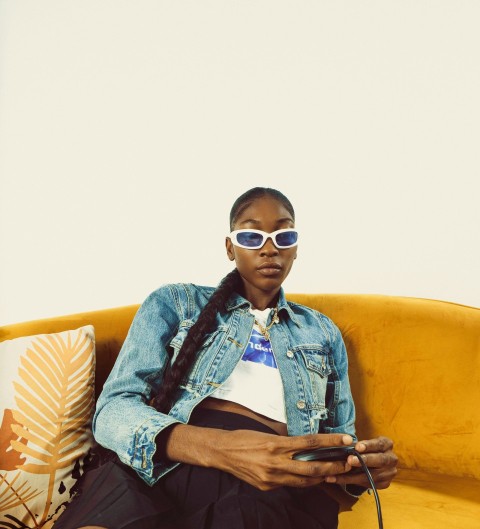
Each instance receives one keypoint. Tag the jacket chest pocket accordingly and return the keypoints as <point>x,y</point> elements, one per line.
<point>318,369</point>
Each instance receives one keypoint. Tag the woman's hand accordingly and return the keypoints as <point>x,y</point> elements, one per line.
<point>260,459</point>
<point>380,459</point>
<point>265,461</point>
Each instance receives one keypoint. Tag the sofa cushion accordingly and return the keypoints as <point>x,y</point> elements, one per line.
<point>46,405</point>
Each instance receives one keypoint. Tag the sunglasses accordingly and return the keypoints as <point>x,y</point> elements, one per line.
<point>255,239</point>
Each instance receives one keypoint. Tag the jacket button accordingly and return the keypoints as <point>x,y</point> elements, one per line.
<point>300,405</point>
<point>289,354</point>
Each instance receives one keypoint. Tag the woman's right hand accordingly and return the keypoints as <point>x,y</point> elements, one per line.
<point>260,459</point>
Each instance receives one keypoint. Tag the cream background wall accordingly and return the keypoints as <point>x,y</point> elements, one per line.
<point>127,129</point>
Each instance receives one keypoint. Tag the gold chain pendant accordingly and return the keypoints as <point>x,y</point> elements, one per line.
<point>264,330</point>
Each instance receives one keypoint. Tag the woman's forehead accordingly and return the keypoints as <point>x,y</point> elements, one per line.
<point>264,209</point>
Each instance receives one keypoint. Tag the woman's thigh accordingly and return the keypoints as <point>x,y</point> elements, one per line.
<point>112,496</point>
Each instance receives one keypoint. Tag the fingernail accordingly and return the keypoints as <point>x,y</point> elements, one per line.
<point>331,479</point>
<point>347,439</point>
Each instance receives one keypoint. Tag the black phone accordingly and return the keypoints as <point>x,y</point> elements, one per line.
<point>326,453</point>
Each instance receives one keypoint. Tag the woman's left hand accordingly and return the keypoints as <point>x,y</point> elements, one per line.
<point>380,459</point>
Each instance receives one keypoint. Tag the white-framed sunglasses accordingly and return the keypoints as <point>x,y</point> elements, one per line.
<point>255,239</point>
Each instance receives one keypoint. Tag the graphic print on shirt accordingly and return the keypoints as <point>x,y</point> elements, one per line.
<point>259,350</point>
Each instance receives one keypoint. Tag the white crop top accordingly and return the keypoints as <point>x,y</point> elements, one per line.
<point>255,382</point>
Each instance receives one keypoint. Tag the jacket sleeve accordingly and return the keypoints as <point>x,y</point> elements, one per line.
<point>123,420</point>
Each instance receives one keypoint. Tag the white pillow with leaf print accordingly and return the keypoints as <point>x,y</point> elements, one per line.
<point>46,405</point>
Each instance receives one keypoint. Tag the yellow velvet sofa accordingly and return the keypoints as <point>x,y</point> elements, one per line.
<point>415,375</point>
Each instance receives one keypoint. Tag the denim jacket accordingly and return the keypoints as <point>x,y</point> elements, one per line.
<point>308,349</point>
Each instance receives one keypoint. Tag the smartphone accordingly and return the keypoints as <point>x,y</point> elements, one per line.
<point>326,453</point>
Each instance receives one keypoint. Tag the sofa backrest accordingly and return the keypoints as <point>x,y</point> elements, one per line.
<point>415,375</point>
<point>414,369</point>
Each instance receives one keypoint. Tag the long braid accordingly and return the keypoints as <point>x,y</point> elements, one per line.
<point>186,356</point>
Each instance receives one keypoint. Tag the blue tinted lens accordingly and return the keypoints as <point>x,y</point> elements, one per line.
<point>250,239</point>
<point>287,238</point>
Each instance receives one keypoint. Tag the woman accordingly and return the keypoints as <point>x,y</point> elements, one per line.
<point>215,390</point>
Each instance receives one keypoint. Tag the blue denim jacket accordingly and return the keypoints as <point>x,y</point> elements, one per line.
<point>308,349</point>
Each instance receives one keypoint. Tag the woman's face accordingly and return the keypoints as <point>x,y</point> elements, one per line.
<point>263,270</point>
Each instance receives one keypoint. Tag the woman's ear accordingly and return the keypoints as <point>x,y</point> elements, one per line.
<point>230,249</point>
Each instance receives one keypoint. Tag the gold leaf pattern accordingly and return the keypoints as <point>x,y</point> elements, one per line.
<point>11,496</point>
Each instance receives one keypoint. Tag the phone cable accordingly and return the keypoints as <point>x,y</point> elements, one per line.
<point>373,488</point>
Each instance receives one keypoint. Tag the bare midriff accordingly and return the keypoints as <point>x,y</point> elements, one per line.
<point>233,407</point>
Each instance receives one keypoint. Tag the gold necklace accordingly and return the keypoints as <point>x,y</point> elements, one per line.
<point>264,330</point>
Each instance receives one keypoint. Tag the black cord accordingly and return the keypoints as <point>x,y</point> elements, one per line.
<point>372,485</point>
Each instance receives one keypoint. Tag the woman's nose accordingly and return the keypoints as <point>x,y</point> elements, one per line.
<point>269,248</point>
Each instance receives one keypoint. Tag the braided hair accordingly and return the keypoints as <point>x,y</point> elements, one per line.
<point>186,356</point>
<point>206,321</point>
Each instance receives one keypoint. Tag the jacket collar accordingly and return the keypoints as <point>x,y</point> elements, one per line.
<point>236,301</point>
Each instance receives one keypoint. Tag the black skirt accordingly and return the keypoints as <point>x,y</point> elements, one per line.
<point>191,497</point>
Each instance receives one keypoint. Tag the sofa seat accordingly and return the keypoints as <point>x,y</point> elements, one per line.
<point>417,500</point>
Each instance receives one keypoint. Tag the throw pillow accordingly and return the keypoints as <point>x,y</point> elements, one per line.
<point>46,405</point>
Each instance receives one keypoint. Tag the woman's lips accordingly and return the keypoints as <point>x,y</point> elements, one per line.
<point>269,269</point>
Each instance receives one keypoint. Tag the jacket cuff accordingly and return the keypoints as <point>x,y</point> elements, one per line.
<point>142,460</point>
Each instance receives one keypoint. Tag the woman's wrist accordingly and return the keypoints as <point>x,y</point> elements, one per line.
<point>194,445</point>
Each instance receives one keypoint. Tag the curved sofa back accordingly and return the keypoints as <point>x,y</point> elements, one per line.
<point>414,370</point>
<point>415,375</point>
